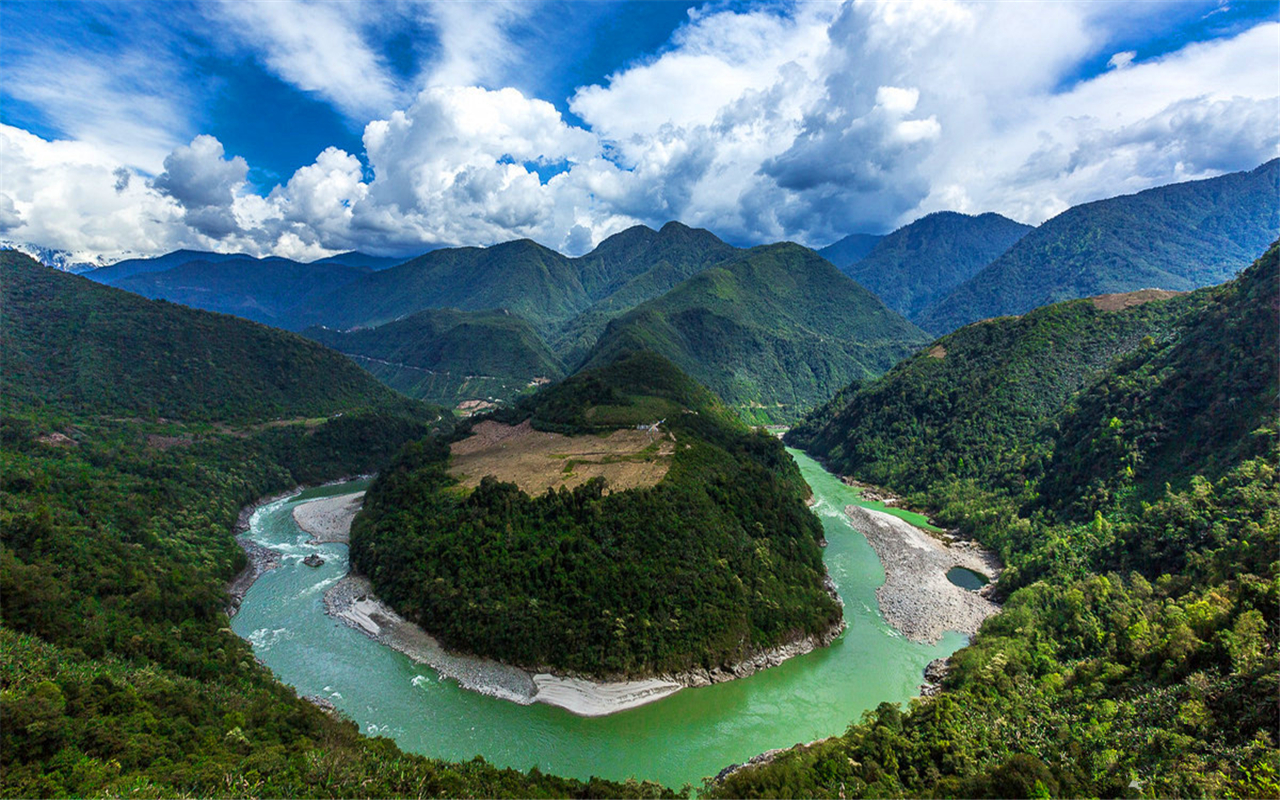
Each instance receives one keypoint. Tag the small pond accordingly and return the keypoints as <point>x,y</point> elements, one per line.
<point>967,578</point>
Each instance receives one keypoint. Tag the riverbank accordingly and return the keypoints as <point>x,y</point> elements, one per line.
<point>262,560</point>
<point>917,598</point>
<point>328,519</point>
<point>353,602</point>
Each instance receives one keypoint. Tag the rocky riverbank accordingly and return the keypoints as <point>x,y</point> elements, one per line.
<point>261,559</point>
<point>328,519</point>
<point>917,598</point>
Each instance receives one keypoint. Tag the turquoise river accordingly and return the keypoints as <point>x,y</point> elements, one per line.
<point>681,739</point>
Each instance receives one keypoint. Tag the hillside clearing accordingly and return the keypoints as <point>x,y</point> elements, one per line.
<point>537,461</point>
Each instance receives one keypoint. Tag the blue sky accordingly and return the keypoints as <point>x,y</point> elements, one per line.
<point>305,128</point>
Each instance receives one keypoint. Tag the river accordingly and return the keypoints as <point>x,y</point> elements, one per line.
<point>680,739</point>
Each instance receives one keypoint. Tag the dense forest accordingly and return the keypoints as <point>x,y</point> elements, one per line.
<point>120,482</point>
<point>1182,236</point>
<point>717,560</point>
<point>918,263</point>
<point>773,331</point>
<point>959,407</point>
<point>447,356</point>
<point>1138,639</point>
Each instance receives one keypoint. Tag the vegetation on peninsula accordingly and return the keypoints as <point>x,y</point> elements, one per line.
<point>718,560</point>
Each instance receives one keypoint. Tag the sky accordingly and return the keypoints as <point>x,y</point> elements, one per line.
<point>304,129</point>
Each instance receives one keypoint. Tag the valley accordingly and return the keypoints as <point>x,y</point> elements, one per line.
<point>684,737</point>
<point>600,547</point>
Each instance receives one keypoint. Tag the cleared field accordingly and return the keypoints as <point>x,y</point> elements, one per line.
<point>537,461</point>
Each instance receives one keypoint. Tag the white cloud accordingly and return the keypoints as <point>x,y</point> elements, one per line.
<point>474,48</point>
<point>1122,60</point>
<point>317,47</point>
<point>131,104</point>
<point>758,124</point>
<point>204,184</point>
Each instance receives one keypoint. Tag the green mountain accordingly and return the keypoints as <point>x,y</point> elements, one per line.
<point>355,258</point>
<point>713,559</point>
<point>447,356</point>
<point>79,347</point>
<point>131,434</point>
<point>137,266</point>
<point>640,263</point>
<point>629,268</point>
<point>521,276</point>
<point>849,250</point>
<point>1137,636</point>
<point>1180,237</point>
<point>1197,404</point>
<point>959,407</point>
<point>918,263</point>
<point>261,290</point>
<point>773,331</point>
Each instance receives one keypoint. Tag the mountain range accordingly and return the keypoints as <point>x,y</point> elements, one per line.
<point>918,263</point>
<point>449,357</point>
<point>772,332</point>
<point>1179,237</point>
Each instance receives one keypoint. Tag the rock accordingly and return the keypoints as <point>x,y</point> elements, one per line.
<point>313,560</point>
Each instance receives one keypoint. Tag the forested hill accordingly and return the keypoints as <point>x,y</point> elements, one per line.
<point>131,434</point>
<point>447,356</point>
<point>629,268</point>
<point>915,265</point>
<point>261,290</point>
<point>772,332</point>
<point>1139,639</point>
<point>849,250</point>
<point>959,406</point>
<point>83,348</point>
<point>523,277</point>
<point>716,560</point>
<point>120,270</point>
<point>1195,404</point>
<point>1182,236</point>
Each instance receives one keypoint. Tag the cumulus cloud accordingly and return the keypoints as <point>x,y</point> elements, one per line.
<point>204,184</point>
<point>806,122</point>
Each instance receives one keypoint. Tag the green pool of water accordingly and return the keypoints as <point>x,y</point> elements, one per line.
<point>680,739</point>
<point>967,578</point>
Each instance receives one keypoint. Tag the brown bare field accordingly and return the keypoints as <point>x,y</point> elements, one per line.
<point>937,351</point>
<point>1123,300</point>
<point>538,461</point>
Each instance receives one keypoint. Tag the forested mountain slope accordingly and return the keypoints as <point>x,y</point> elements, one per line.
<point>447,356</point>
<point>772,332</point>
<point>960,406</point>
<point>131,434</point>
<point>1139,637</point>
<point>83,348</point>
<point>1182,236</point>
<point>263,291</point>
<point>138,266</point>
<point>629,268</point>
<point>849,250</point>
<point>918,263</point>
<point>521,276</point>
<point>715,561</point>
